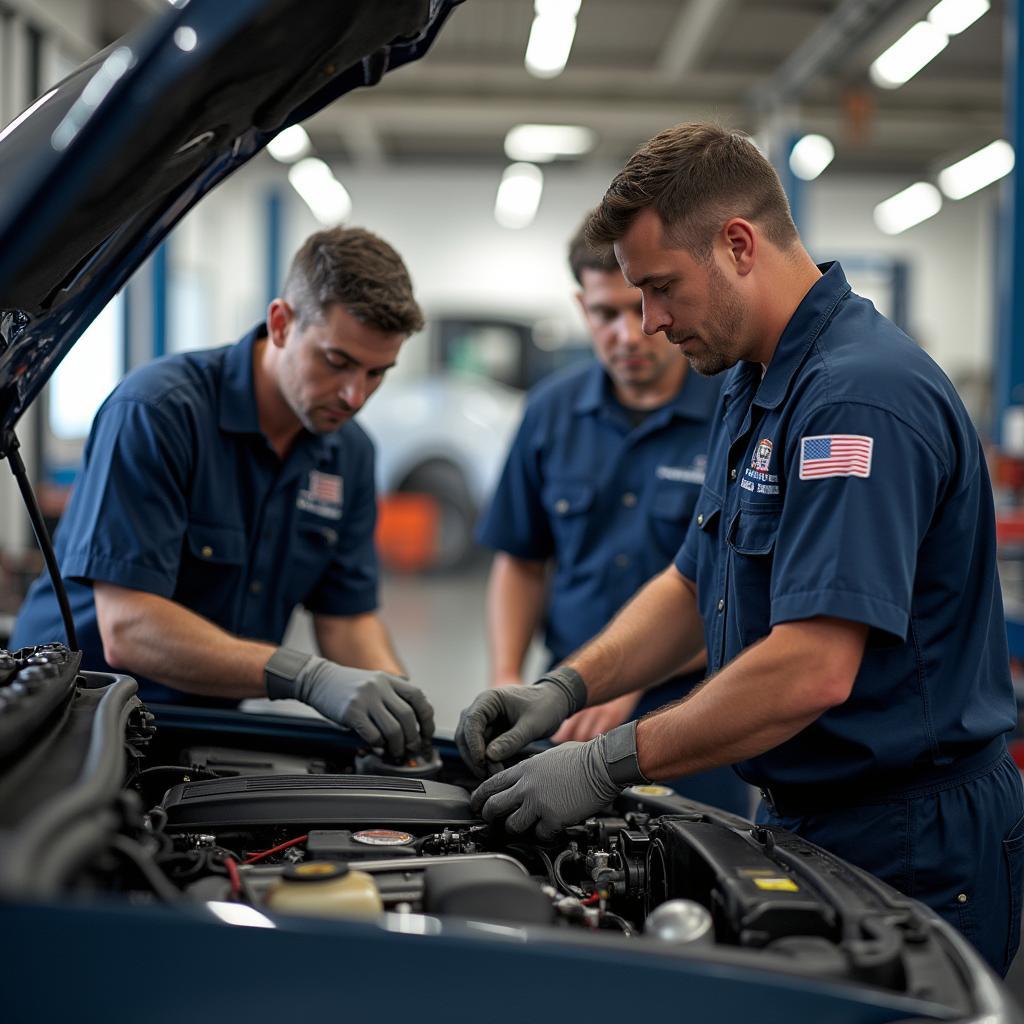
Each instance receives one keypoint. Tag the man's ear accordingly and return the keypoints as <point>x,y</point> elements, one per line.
<point>280,317</point>
<point>578,295</point>
<point>740,242</point>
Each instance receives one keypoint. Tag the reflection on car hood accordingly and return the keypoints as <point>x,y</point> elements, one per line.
<point>100,168</point>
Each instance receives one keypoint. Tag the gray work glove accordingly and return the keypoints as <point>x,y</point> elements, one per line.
<point>561,786</point>
<point>500,722</point>
<point>385,710</point>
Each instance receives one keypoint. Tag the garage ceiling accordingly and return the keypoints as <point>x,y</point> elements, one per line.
<point>640,65</point>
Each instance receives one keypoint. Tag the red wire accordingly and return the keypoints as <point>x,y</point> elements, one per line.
<point>253,857</point>
<point>591,900</point>
<point>236,878</point>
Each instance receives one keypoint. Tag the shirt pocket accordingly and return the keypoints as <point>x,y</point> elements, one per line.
<point>568,504</point>
<point>212,569</point>
<point>670,511</point>
<point>752,536</point>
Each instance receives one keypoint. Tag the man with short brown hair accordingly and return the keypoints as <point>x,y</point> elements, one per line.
<point>840,568</point>
<point>222,488</point>
<point>597,490</point>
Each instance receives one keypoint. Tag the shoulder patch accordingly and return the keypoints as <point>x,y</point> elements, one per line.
<point>826,455</point>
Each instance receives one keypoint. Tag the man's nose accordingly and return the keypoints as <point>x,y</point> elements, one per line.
<point>353,392</point>
<point>655,318</point>
<point>631,329</point>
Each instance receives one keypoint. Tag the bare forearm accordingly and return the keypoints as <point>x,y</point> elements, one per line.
<point>762,698</point>
<point>515,601</point>
<point>649,640</point>
<point>157,638</point>
<point>359,641</point>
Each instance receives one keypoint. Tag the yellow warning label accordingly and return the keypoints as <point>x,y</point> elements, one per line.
<point>777,884</point>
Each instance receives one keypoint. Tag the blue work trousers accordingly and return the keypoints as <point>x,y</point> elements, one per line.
<point>957,847</point>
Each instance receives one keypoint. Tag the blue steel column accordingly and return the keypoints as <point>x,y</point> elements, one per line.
<point>275,204</point>
<point>1009,366</point>
<point>159,300</point>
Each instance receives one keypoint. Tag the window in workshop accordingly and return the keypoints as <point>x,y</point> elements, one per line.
<point>88,373</point>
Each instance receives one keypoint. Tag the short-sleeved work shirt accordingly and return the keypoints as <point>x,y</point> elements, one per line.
<point>850,482</point>
<point>181,495</point>
<point>606,501</point>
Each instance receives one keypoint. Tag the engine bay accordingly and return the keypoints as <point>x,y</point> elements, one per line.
<point>200,809</point>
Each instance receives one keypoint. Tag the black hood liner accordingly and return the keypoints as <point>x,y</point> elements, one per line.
<point>90,188</point>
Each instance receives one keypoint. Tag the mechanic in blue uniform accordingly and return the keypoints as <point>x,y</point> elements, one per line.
<point>840,569</point>
<point>599,487</point>
<point>222,488</point>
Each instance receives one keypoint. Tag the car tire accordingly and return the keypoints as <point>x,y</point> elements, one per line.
<point>445,483</point>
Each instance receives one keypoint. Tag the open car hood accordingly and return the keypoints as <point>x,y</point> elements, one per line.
<point>101,167</point>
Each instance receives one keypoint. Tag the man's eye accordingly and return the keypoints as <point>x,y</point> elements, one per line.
<point>661,289</point>
<point>338,362</point>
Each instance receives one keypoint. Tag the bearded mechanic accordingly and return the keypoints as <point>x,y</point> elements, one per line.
<point>840,568</point>
<point>222,488</point>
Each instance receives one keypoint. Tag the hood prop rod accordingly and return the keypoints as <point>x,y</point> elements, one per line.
<point>9,448</point>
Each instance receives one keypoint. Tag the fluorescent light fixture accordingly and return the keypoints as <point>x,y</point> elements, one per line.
<point>185,38</point>
<point>810,156</point>
<point>541,143</point>
<point>518,195</point>
<point>907,208</point>
<point>290,145</point>
<point>322,192</point>
<point>953,16</point>
<point>976,171</point>
<point>915,48</point>
<point>240,914</point>
<point>551,36</point>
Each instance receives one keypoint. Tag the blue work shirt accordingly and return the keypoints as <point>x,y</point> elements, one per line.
<point>181,495</point>
<point>850,482</point>
<point>606,501</point>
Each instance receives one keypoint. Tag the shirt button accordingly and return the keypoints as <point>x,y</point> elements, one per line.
<point>721,603</point>
<point>562,506</point>
<point>732,473</point>
<point>207,551</point>
<point>622,561</point>
<point>255,587</point>
<point>700,519</point>
<point>629,499</point>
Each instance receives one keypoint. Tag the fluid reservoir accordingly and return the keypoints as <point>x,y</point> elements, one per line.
<point>325,889</point>
<point>681,923</point>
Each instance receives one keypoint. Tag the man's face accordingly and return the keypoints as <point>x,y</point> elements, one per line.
<point>614,314</point>
<point>327,370</point>
<point>696,306</point>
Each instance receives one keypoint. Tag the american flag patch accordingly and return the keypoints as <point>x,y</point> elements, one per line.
<point>325,487</point>
<point>835,455</point>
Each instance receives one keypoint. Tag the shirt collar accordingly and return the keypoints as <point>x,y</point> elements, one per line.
<point>695,400</point>
<point>804,326</point>
<point>238,412</point>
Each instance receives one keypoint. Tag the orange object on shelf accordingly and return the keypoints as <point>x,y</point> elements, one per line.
<point>408,526</point>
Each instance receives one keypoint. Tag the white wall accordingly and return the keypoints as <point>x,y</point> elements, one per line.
<point>440,219</point>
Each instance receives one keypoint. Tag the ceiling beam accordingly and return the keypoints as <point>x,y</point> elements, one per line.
<point>694,26</point>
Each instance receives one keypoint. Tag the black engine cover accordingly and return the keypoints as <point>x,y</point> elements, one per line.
<point>316,800</point>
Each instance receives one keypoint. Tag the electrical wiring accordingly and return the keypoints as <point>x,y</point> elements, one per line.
<point>556,870</point>
<point>253,857</point>
<point>234,876</point>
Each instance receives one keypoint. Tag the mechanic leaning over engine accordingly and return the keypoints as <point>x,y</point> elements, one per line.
<point>840,568</point>
<point>599,486</point>
<point>222,488</point>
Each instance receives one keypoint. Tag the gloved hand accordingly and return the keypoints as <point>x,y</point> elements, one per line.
<point>561,786</point>
<point>516,715</point>
<point>385,710</point>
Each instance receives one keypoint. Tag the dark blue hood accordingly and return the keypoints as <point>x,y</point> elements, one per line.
<point>101,168</point>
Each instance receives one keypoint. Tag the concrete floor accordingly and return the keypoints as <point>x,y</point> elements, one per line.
<point>437,626</point>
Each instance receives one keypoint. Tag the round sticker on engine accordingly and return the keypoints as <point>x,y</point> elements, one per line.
<point>382,837</point>
<point>652,790</point>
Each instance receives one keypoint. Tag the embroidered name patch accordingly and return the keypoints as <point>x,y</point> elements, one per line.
<point>835,455</point>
